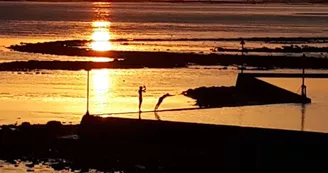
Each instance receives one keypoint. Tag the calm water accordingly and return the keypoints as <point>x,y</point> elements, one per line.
<point>32,22</point>
<point>46,95</point>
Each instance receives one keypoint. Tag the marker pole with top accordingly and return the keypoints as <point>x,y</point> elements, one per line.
<point>303,78</point>
<point>303,92</point>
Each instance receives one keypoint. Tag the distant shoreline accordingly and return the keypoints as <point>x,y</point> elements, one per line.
<point>142,59</point>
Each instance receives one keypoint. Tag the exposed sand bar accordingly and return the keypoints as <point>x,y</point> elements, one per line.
<point>141,59</point>
<point>169,60</point>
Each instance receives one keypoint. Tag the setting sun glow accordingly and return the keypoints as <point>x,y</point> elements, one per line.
<point>101,36</point>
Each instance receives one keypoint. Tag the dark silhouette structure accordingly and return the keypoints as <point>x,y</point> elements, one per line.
<point>242,42</point>
<point>248,91</point>
<point>104,144</point>
<point>303,86</point>
<point>141,90</point>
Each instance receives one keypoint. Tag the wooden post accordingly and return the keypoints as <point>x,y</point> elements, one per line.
<point>303,78</point>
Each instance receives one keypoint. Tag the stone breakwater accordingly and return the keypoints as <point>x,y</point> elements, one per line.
<point>248,91</point>
<point>133,145</point>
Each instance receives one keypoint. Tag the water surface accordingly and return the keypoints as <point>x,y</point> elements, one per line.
<point>46,95</point>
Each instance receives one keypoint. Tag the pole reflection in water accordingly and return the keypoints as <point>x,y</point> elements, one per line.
<point>303,109</point>
<point>101,36</point>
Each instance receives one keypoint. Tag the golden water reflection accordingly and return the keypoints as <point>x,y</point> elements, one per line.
<point>101,36</point>
<point>101,87</point>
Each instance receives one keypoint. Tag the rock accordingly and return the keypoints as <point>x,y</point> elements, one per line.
<point>54,124</point>
<point>25,124</point>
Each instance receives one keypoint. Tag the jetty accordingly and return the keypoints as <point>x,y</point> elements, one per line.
<point>287,75</point>
<point>249,90</point>
<point>249,83</point>
<point>134,145</point>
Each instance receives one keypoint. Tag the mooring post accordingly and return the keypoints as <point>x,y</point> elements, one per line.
<point>88,79</point>
<point>242,42</point>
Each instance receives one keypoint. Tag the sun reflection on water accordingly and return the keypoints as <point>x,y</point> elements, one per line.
<point>101,87</point>
<point>101,36</point>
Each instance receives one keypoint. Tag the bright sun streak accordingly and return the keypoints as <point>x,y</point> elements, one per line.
<point>100,24</point>
<point>101,87</point>
<point>101,36</point>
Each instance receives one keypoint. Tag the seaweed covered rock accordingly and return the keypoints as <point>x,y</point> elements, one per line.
<point>214,96</point>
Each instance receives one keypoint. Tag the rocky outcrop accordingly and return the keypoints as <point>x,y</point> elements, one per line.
<point>248,91</point>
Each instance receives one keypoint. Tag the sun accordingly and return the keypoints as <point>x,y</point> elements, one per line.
<point>101,36</point>
<point>99,24</point>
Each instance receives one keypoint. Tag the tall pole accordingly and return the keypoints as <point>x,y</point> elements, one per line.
<point>303,93</point>
<point>303,78</point>
<point>87,113</point>
<point>242,42</point>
